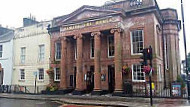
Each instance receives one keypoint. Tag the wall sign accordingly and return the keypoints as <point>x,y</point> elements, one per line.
<point>86,24</point>
<point>103,77</point>
<point>176,90</point>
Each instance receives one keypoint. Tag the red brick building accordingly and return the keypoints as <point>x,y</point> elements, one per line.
<point>90,46</point>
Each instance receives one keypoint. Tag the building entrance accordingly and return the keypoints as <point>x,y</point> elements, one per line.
<point>75,73</point>
<point>90,79</point>
<point>1,75</point>
<point>111,78</point>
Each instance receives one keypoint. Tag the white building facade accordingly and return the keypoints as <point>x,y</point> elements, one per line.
<point>31,56</point>
<point>6,59</point>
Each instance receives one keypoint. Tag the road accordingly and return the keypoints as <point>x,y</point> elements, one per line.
<point>26,103</point>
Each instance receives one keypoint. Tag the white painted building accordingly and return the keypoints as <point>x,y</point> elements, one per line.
<point>6,59</point>
<point>31,54</point>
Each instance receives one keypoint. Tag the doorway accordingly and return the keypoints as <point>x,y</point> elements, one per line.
<point>111,78</point>
<point>90,79</point>
<point>1,77</point>
<point>74,81</point>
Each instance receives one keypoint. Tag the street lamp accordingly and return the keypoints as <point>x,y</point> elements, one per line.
<point>185,49</point>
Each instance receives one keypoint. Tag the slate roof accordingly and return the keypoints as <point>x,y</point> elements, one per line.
<point>3,30</point>
<point>7,36</point>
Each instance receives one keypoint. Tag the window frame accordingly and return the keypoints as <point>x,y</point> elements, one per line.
<point>41,54</point>
<point>23,55</point>
<point>20,74</point>
<point>41,79</point>
<point>55,74</point>
<point>159,69</point>
<point>109,46</point>
<point>56,58</point>
<point>1,51</point>
<point>135,80</point>
<point>75,50</point>
<point>92,48</point>
<point>166,52</point>
<point>131,36</point>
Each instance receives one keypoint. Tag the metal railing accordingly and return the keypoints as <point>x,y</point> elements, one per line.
<point>142,89</point>
<point>21,89</point>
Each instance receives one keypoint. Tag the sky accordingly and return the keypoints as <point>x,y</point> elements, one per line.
<point>13,11</point>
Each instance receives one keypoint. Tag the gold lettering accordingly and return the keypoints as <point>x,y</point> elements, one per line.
<point>90,23</point>
<point>97,22</point>
<point>77,26</point>
<point>87,24</point>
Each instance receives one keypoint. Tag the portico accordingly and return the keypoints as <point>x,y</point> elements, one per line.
<point>81,37</point>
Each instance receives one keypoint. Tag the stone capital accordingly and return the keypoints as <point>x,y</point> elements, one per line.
<point>119,30</point>
<point>63,38</point>
<point>97,33</point>
<point>78,36</point>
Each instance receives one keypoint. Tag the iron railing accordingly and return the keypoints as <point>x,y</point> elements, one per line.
<point>21,89</point>
<point>141,89</point>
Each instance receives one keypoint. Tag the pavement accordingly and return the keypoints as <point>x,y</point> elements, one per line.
<point>88,100</point>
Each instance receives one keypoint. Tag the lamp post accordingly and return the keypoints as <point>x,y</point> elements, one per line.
<point>185,49</point>
<point>150,73</point>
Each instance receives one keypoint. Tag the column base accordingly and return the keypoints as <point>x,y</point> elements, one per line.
<point>76,92</point>
<point>96,92</point>
<point>105,92</point>
<point>118,93</point>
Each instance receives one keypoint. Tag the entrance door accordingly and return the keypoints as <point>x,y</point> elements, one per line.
<point>111,78</point>
<point>90,79</point>
<point>1,77</point>
<point>75,73</point>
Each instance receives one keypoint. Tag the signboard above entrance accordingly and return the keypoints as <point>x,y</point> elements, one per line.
<point>86,24</point>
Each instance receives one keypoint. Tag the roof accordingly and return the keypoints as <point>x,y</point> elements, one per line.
<point>65,18</point>
<point>3,30</point>
<point>6,36</point>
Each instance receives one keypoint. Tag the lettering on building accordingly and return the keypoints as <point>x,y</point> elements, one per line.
<point>86,24</point>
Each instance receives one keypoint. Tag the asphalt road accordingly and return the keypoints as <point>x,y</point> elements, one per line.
<point>26,103</point>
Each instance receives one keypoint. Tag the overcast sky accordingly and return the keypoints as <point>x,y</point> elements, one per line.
<point>12,11</point>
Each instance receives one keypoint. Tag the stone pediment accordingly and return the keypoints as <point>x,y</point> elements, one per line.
<point>85,13</point>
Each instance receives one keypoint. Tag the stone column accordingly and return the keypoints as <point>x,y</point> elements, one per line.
<point>63,82</point>
<point>118,59</point>
<point>69,59</point>
<point>97,67</point>
<point>79,76</point>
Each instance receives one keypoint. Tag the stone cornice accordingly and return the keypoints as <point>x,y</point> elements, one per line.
<point>175,22</point>
<point>23,35</point>
<point>91,29</point>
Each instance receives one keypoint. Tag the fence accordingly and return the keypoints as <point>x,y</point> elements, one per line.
<point>142,89</point>
<point>21,89</point>
<point>131,89</point>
